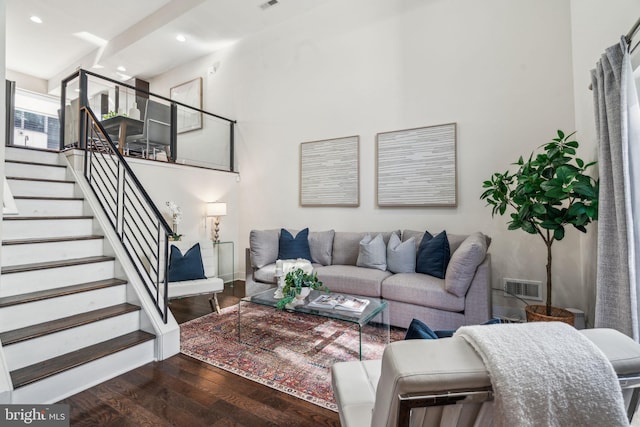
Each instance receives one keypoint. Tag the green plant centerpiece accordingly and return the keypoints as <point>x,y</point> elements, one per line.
<point>294,283</point>
<point>547,193</point>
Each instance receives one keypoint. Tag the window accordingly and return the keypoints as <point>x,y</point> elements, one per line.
<point>36,122</point>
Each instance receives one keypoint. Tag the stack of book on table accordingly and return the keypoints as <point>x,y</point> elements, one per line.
<point>339,302</point>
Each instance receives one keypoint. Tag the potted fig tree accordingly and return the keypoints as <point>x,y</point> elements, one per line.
<point>548,192</point>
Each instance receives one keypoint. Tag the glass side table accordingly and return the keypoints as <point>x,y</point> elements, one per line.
<point>224,252</point>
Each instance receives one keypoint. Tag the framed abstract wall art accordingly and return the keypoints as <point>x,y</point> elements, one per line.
<point>329,172</point>
<point>417,167</point>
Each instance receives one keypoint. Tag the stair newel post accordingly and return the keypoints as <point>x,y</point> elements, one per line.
<point>84,102</point>
<point>63,117</point>
<point>173,141</point>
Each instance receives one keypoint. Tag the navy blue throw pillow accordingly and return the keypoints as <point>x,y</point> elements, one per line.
<point>418,330</point>
<point>186,267</point>
<point>433,255</point>
<point>294,247</point>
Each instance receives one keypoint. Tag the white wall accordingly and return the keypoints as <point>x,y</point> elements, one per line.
<point>27,82</point>
<point>596,25</point>
<point>191,188</point>
<point>501,70</point>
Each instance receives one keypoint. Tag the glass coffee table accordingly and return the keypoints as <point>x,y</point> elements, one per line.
<point>376,313</point>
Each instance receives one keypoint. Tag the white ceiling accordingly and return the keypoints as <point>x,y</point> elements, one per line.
<point>140,35</point>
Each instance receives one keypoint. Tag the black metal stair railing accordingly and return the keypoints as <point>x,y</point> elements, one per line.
<point>134,217</point>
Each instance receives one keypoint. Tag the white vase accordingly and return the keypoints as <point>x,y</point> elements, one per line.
<point>299,299</point>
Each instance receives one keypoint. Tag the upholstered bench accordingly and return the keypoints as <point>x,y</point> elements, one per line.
<point>198,269</point>
<point>447,382</point>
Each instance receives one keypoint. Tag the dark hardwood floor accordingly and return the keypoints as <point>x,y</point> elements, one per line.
<point>182,391</point>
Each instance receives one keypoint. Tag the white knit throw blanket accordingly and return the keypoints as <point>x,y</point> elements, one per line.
<point>547,374</point>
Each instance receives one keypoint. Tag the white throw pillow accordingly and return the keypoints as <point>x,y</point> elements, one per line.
<point>372,253</point>
<point>401,256</point>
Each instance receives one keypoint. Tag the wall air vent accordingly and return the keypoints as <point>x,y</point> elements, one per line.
<point>268,4</point>
<point>525,289</point>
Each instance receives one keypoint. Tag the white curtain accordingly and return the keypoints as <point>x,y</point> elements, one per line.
<point>618,128</point>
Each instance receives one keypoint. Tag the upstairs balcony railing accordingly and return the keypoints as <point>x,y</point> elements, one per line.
<point>144,124</point>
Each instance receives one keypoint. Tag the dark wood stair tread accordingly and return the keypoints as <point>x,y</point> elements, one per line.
<point>50,240</point>
<point>59,181</point>
<point>55,264</point>
<point>47,218</point>
<point>26,162</point>
<point>50,327</point>
<point>30,374</point>
<point>59,292</point>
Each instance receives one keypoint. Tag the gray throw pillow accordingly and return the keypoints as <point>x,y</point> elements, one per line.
<point>264,245</point>
<point>401,256</point>
<point>464,262</point>
<point>372,253</point>
<point>321,245</point>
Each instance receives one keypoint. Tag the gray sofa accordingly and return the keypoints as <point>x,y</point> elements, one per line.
<point>463,297</point>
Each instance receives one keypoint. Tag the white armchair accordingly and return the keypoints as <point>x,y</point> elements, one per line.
<point>211,285</point>
<point>445,383</point>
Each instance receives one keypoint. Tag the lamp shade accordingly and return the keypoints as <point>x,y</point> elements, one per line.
<point>216,209</point>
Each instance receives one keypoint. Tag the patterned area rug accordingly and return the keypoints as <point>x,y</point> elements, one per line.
<point>289,352</point>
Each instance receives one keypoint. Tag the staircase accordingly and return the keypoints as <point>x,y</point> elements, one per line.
<point>65,320</point>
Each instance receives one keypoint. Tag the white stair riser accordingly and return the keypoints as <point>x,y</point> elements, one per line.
<point>41,188</point>
<point>54,251</point>
<point>36,350</point>
<point>32,156</point>
<point>24,170</point>
<point>33,313</point>
<point>25,229</point>
<point>65,384</point>
<point>40,207</point>
<point>50,278</point>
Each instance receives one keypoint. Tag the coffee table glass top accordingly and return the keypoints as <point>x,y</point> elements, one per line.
<point>375,313</point>
<point>375,307</point>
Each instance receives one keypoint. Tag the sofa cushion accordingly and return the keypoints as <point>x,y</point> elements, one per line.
<point>372,253</point>
<point>350,279</point>
<point>346,246</point>
<point>464,262</point>
<point>264,247</point>
<point>187,266</point>
<point>291,247</point>
<point>266,274</point>
<point>401,256</point>
<point>433,255</point>
<point>421,289</point>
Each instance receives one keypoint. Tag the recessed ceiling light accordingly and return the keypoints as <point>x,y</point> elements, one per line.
<point>181,38</point>
<point>36,19</point>
<point>121,68</point>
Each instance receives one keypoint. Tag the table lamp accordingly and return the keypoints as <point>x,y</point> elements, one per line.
<point>216,210</point>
